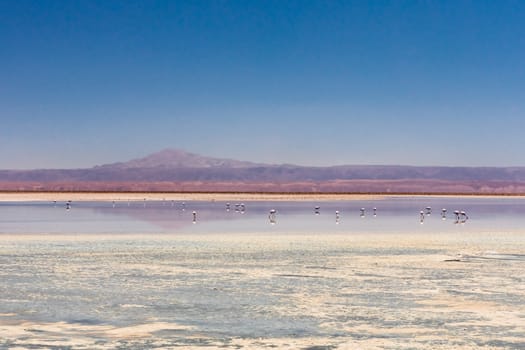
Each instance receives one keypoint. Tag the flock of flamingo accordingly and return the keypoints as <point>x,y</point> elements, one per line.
<point>461,216</point>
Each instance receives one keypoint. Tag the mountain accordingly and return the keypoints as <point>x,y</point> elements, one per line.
<point>172,158</point>
<point>177,170</point>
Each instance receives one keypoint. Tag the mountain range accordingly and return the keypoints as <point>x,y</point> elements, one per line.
<point>177,170</point>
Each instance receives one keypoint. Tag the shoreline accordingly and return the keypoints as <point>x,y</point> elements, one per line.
<point>8,196</point>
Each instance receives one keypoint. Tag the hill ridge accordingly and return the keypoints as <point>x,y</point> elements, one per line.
<point>171,168</point>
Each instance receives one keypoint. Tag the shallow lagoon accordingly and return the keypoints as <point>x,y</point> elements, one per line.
<point>143,275</point>
<point>394,215</point>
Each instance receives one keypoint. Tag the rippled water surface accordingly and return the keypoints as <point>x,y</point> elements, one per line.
<point>145,274</point>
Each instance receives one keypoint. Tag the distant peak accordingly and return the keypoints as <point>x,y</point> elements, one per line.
<point>177,158</point>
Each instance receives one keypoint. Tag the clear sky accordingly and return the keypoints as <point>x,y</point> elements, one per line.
<point>307,82</point>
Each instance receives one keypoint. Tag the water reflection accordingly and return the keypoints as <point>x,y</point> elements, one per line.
<point>146,216</point>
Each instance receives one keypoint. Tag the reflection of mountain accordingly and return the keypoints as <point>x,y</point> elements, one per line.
<point>166,216</point>
<point>175,170</point>
<point>170,216</point>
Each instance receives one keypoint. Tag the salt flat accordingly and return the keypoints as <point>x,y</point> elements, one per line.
<point>182,196</point>
<point>255,291</point>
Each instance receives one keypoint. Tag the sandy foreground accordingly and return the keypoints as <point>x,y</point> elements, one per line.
<point>128,196</point>
<point>312,292</point>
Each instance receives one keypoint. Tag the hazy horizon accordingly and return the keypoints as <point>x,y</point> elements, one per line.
<point>249,161</point>
<point>313,83</point>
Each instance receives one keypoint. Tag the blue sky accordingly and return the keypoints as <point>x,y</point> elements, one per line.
<point>307,82</point>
